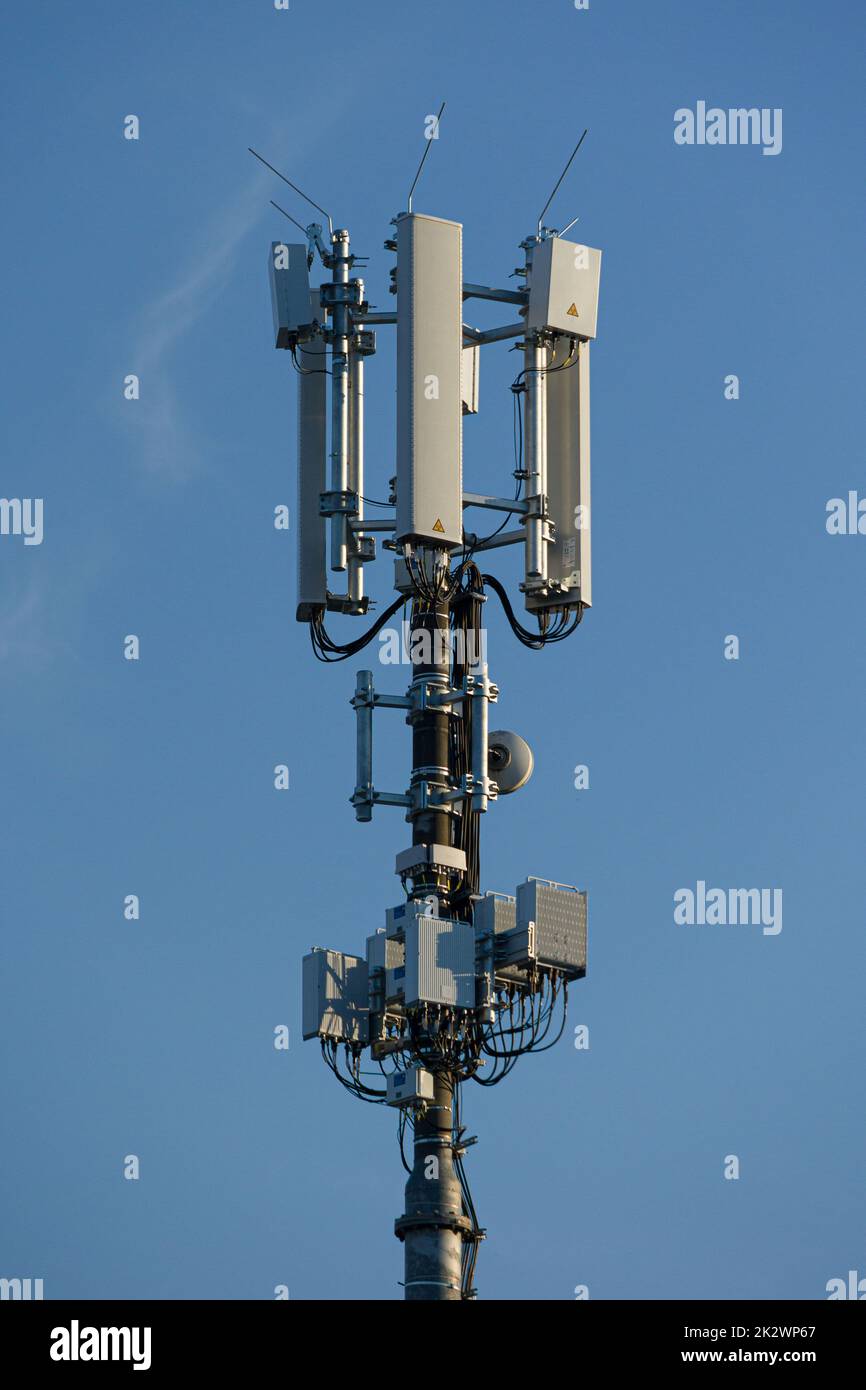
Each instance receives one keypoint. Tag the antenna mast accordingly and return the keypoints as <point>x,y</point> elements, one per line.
<point>458,983</point>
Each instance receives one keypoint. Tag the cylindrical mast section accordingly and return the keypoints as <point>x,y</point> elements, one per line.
<point>433,1223</point>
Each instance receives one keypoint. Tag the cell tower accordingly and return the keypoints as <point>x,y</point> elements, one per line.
<point>458,983</point>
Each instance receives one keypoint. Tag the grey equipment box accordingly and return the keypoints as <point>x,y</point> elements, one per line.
<point>409,1087</point>
<point>493,916</point>
<point>440,963</point>
<point>495,912</point>
<point>289,276</point>
<point>563,288</point>
<point>552,922</point>
<point>569,554</point>
<point>383,952</point>
<point>385,969</point>
<point>312,464</point>
<point>429,380</point>
<point>335,1003</point>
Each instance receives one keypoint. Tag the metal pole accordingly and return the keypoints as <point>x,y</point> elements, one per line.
<point>432,1225</point>
<point>535,363</point>
<point>356,461</point>
<point>340,397</point>
<point>363,703</point>
<point>480,778</point>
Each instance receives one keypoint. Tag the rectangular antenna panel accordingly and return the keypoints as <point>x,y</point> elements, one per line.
<point>569,554</point>
<point>383,952</point>
<point>563,287</point>
<point>335,1000</point>
<point>495,912</point>
<point>429,380</point>
<point>289,275</point>
<point>440,963</point>
<point>312,464</point>
<point>559,914</point>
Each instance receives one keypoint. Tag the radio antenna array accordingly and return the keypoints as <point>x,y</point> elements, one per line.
<point>292,219</point>
<point>458,983</point>
<point>299,191</point>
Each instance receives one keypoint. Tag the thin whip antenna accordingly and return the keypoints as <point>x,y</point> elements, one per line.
<point>304,195</point>
<point>290,217</point>
<point>564,230</point>
<point>559,181</point>
<point>424,156</point>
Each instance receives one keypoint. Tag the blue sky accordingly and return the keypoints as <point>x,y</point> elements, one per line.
<point>155,777</point>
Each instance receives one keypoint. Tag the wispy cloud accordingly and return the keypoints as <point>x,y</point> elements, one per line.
<point>24,639</point>
<point>171,439</point>
<point>170,442</point>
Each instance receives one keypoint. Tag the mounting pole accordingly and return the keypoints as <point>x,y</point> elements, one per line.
<point>535,356</point>
<point>355,475</point>
<point>340,394</point>
<point>535,362</point>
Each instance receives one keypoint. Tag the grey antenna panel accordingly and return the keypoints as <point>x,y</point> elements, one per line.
<point>429,380</point>
<point>335,996</point>
<point>289,277</point>
<point>312,464</point>
<point>559,913</point>
<point>440,963</point>
<point>569,554</point>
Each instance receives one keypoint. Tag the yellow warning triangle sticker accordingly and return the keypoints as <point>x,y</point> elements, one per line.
<point>437,526</point>
<point>573,311</point>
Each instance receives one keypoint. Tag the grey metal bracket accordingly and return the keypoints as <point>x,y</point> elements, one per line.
<point>471,291</point>
<point>496,504</point>
<point>339,292</point>
<point>504,538</point>
<point>362,548</point>
<point>446,857</point>
<point>492,335</point>
<point>374,524</point>
<point>338,503</point>
<point>363,342</point>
